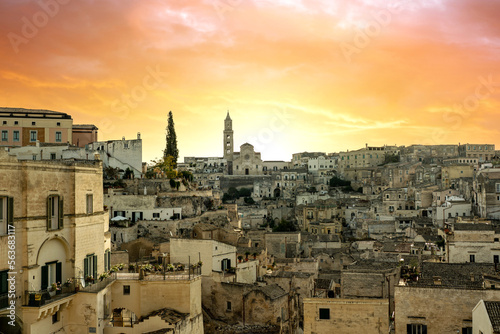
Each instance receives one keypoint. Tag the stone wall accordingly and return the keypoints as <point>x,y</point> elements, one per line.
<point>367,316</point>
<point>443,310</point>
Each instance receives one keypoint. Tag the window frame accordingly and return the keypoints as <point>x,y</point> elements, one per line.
<point>324,314</point>
<point>89,203</point>
<point>6,213</point>
<point>5,135</point>
<point>55,222</point>
<point>58,137</point>
<point>33,132</point>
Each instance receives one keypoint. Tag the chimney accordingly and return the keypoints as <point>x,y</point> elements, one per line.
<point>138,135</point>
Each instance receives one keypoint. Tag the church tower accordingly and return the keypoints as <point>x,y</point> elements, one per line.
<point>228,142</point>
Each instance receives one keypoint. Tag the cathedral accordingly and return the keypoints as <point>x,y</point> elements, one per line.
<point>244,162</point>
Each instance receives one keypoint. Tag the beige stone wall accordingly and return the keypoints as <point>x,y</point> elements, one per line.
<point>443,310</point>
<point>347,316</point>
<point>30,183</point>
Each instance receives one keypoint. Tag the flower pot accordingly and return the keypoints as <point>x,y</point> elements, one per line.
<point>52,293</point>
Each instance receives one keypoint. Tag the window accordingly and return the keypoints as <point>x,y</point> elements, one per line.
<point>416,329</point>
<point>58,136</point>
<point>467,330</point>
<point>55,317</point>
<point>33,136</point>
<point>495,259</point>
<point>107,260</point>
<point>324,313</point>
<point>16,122</point>
<point>33,123</point>
<point>5,135</point>
<point>58,123</point>
<point>228,306</point>
<point>6,213</point>
<point>15,135</point>
<point>4,288</point>
<point>52,156</point>
<point>126,290</point>
<point>497,187</point>
<point>90,266</point>
<point>472,258</point>
<point>54,213</point>
<point>90,203</point>
<point>51,273</point>
<point>156,215</point>
<point>4,122</point>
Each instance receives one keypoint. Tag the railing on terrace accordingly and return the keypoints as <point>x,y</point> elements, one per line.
<point>158,276</point>
<point>43,297</point>
<point>97,285</point>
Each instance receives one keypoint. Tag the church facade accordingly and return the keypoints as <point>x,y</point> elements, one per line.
<point>244,162</point>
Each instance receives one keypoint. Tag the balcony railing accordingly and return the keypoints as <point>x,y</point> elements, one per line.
<point>98,285</point>
<point>43,297</point>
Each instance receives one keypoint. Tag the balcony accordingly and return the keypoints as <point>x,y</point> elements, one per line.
<point>44,297</point>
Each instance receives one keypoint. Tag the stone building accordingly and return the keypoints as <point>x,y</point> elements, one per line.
<point>327,315</point>
<point>483,152</point>
<point>486,193</point>
<point>23,127</point>
<point>486,317</point>
<point>442,299</point>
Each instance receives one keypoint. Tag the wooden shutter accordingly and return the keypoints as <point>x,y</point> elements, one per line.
<point>45,277</point>
<point>94,269</point>
<point>10,210</point>
<point>109,260</point>
<point>105,260</point>
<point>58,272</point>
<point>85,267</point>
<point>49,211</point>
<point>61,213</point>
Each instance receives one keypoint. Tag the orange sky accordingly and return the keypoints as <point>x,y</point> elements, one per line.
<point>296,75</point>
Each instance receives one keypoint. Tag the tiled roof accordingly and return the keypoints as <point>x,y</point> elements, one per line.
<point>473,227</point>
<point>272,291</point>
<point>454,275</point>
<point>323,284</point>
<point>493,309</point>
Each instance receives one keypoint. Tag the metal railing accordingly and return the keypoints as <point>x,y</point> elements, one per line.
<point>42,297</point>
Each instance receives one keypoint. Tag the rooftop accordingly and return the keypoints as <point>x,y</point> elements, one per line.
<point>493,309</point>
<point>34,113</point>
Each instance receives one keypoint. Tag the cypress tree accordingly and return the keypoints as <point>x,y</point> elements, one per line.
<point>171,149</point>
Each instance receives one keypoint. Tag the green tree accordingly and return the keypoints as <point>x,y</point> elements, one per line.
<point>337,182</point>
<point>285,226</point>
<point>171,149</point>
<point>129,174</point>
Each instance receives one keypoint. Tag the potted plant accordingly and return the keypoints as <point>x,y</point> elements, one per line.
<point>246,255</point>
<point>68,282</point>
<point>103,276</point>
<point>89,279</point>
<point>240,257</point>
<point>53,289</point>
<point>170,267</point>
<point>254,254</point>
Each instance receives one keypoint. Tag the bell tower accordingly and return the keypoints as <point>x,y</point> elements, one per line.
<point>228,142</point>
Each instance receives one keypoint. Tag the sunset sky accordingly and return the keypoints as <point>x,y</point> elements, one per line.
<point>295,75</point>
